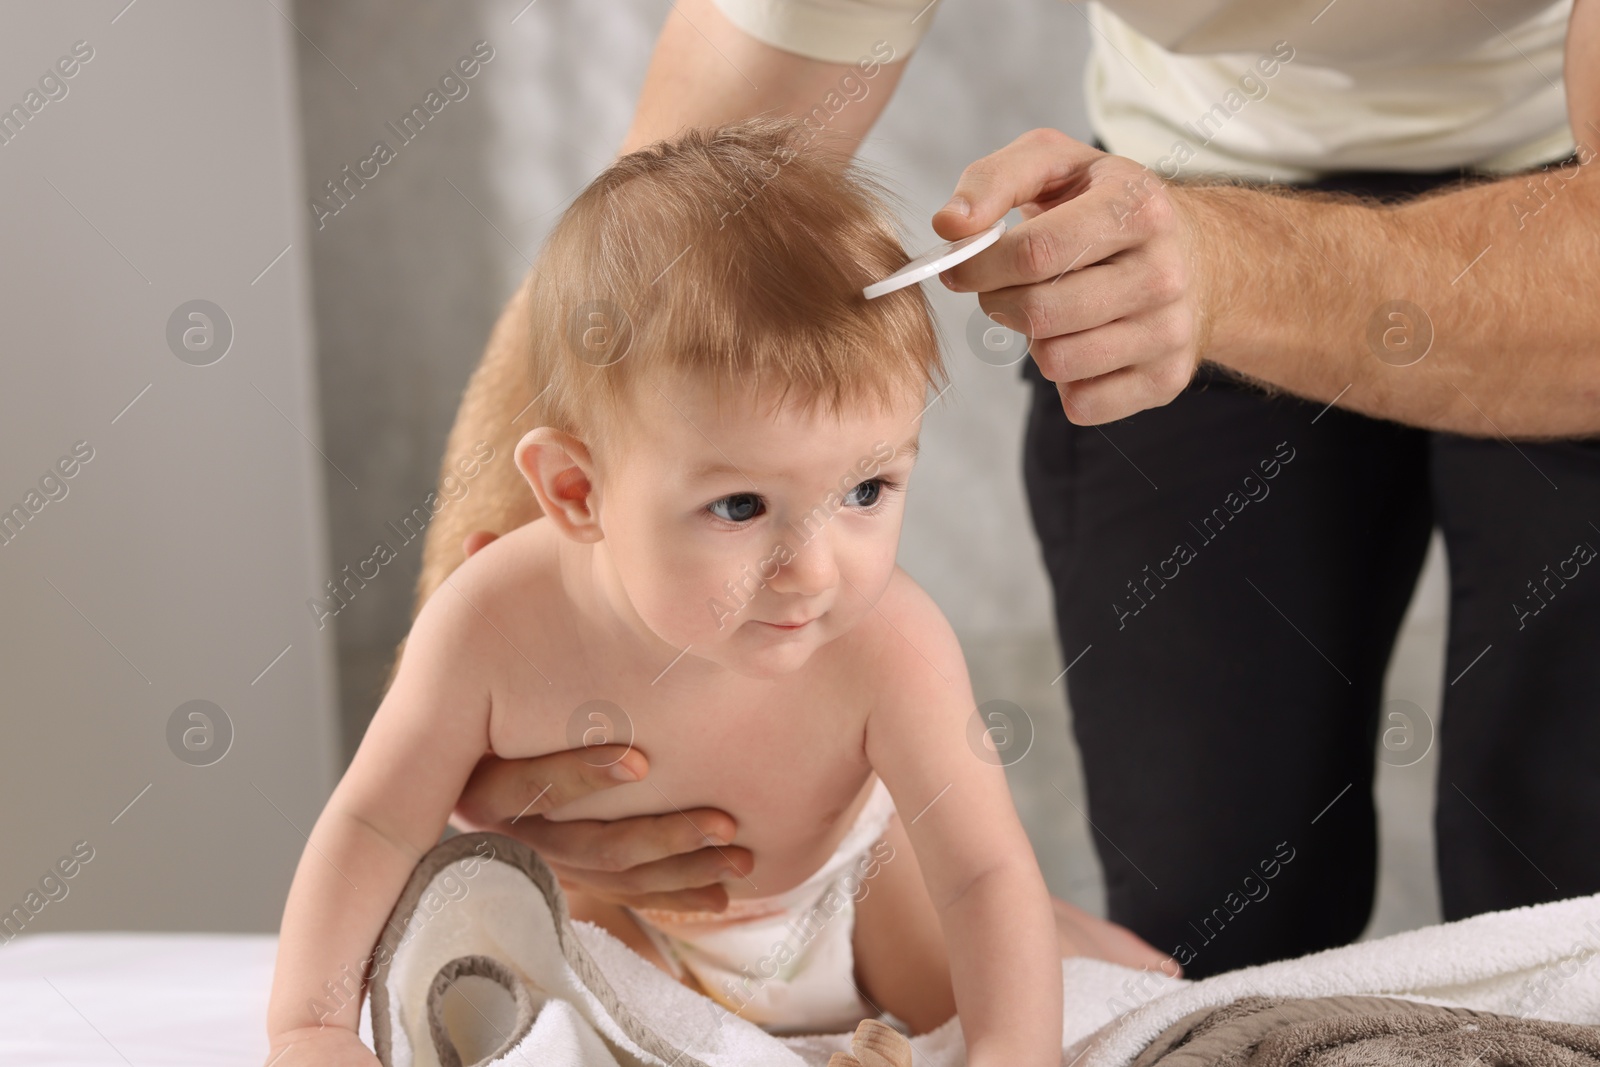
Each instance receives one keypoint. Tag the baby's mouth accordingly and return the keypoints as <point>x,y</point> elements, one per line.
<point>788,626</point>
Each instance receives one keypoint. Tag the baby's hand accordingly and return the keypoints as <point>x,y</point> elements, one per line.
<point>320,1046</point>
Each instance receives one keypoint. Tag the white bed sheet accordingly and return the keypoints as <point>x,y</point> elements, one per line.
<point>154,1000</point>
<point>151,1000</point>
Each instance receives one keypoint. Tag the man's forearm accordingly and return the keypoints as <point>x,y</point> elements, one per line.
<point>707,71</point>
<point>1488,289</point>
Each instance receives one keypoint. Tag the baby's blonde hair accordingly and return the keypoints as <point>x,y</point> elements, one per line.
<point>737,252</point>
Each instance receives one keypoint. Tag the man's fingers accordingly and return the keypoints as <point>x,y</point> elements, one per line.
<point>476,540</point>
<point>1040,164</point>
<point>1160,339</point>
<point>615,846</point>
<point>712,897</point>
<point>1083,934</point>
<point>1083,357</point>
<point>1120,212</point>
<point>689,870</point>
<point>501,791</point>
<point>1124,392</point>
<point>678,859</point>
<point>703,898</point>
<point>1081,300</point>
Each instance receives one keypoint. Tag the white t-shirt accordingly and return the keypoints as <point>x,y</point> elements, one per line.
<point>1274,89</point>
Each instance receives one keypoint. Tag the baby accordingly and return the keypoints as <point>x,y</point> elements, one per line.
<point>726,430</point>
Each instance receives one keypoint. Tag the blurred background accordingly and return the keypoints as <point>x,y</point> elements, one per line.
<point>262,387</point>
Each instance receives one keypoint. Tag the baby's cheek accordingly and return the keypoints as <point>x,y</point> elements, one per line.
<point>866,586</point>
<point>873,567</point>
<point>687,604</point>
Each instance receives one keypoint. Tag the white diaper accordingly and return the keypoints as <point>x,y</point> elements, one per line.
<point>785,962</point>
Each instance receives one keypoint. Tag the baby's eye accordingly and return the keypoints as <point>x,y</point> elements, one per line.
<point>866,494</point>
<point>740,507</point>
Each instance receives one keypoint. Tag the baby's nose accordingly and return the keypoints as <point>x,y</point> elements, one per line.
<point>812,571</point>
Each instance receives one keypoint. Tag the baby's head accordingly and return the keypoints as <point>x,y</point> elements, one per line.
<point>720,411</point>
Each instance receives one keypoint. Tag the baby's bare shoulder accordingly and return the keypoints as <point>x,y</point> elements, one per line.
<point>498,594</point>
<point>907,636</point>
<point>500,578</point>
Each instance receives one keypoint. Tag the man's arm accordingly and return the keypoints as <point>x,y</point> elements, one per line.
<point>1503,272</point>
<point>1124,282</point>
<point>705,71</point>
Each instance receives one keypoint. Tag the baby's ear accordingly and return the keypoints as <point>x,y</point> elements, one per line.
<point>560,471</point>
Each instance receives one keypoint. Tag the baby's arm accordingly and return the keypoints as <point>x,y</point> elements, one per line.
<point>389,808</point>
<point>976,860</point>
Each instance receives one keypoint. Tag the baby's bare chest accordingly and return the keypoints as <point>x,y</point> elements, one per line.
<point>787,762</point>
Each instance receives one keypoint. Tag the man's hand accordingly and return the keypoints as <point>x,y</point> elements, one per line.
<point>673,861</point>
<point>1099,277</point>
<point>659,861</point>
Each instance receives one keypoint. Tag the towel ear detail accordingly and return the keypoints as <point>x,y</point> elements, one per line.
<point>442,1012</point>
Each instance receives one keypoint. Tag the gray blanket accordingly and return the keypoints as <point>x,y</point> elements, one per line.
<point>1356,1031</point>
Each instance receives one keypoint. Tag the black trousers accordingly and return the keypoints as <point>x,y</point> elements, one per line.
<point>1232,570</point>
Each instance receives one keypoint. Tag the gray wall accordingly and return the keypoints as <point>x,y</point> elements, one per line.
<point>173,568</point>
<point>409,280</point>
